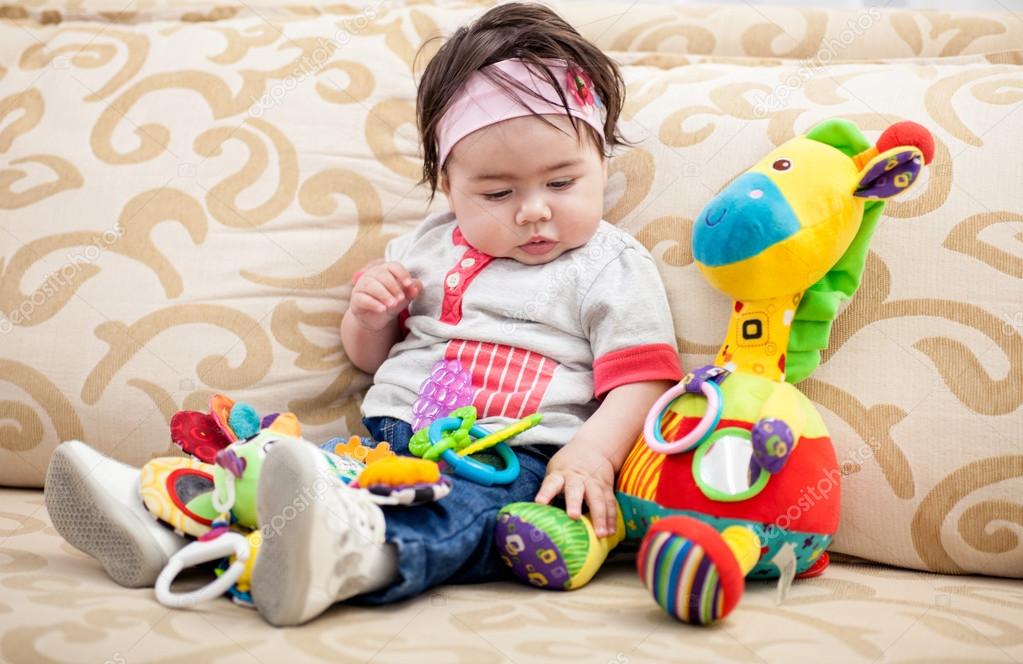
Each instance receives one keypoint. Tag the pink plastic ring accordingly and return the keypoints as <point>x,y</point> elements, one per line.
<point>711,416</point>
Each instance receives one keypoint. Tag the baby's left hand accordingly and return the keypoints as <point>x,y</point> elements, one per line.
<point>580,471</point>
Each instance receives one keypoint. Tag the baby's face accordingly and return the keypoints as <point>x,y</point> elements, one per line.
<point>525,190</point>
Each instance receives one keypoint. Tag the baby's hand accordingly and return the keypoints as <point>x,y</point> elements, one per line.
<point>381,293</point>
<point>579,471</point>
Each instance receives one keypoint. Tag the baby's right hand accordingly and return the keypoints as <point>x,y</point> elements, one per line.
<point>381,293</point>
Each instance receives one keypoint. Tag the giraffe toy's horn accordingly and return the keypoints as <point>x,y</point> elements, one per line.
<point>899,134</point>
<point>908,133</point>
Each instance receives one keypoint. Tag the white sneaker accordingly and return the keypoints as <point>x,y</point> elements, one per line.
<point>322,541</point>
<point>94,503</point>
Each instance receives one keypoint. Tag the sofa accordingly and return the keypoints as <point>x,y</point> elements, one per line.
<point>187,188</point>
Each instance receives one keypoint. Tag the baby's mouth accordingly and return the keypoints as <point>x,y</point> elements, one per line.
<point>538,246</point>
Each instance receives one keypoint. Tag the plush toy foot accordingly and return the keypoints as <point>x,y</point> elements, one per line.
<point>694,572</point>
<point>772,444</point>
<point>95,505</point>
<point>322,541</point>
<point>546,548</point>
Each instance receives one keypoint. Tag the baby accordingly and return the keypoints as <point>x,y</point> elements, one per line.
<point>548,308</point>
<point>535,303</point>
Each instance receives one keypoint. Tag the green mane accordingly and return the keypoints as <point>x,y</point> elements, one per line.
<point>811,325</point>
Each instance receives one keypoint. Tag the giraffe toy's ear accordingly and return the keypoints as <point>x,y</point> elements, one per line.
<point>894,165</point>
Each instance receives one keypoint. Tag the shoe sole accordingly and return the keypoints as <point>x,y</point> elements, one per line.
<point>281,576</point>
<point>92,520</point>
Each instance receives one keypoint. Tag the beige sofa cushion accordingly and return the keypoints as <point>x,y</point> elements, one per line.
<point>185,203</point>
<point>726,29</point>
<point>58,605</point>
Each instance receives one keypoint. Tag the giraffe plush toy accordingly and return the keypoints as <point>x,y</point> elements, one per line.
<point>735,475</point>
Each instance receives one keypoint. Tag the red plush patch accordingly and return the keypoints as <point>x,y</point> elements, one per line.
<point>908,133</point>
<point>198,434</point>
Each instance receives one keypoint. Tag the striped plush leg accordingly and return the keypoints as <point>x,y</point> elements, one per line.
<point>546,548</point>
<point>694,572</point>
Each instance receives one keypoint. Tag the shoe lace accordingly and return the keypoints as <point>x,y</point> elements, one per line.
<point>360,513</point>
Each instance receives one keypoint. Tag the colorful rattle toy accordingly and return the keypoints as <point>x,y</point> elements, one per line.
<point>212,496</point>
<point>734,474</point>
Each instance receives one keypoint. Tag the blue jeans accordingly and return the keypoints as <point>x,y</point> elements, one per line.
<point>451,540</point>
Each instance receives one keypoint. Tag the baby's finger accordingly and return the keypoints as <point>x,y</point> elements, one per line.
<point>574,491</point>
<point>400,273</point>
<point>550,488</point>
<point>612,512</point>
<point>598,507</point>
<point>379,291</point>
<point>413,290</point>
<point>392,284</point>
<point>363,302</point>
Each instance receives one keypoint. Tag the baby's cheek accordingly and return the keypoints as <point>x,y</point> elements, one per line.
<point>584,223</point>
<point>489,236</point>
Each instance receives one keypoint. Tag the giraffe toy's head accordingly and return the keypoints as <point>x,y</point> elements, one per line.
<point>779,227</point>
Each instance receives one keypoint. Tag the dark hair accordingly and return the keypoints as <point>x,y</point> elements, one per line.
<point>530,32</point>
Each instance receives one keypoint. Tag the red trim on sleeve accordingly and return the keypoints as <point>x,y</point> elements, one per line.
<point>635,364</point>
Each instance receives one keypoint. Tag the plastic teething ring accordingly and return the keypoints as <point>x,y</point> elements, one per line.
<point>481,473</point>
<point>710,419</point>
<point>203,552</point>
<point>442,426</point>
<point>467,467</point>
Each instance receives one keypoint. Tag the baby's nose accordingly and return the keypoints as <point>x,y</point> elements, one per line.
<point>533,211</point>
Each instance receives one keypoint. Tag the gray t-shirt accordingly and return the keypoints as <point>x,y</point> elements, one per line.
<point>519,339</point>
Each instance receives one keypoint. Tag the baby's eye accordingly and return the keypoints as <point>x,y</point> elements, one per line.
<point>561,184</point>
<point>497,195</point>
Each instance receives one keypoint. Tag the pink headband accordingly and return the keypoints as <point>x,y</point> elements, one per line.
<point>482,102</point>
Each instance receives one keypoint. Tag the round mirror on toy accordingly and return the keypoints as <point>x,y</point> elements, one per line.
<point>724,466</point>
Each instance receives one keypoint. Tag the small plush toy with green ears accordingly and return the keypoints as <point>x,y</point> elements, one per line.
<point>212,496</point>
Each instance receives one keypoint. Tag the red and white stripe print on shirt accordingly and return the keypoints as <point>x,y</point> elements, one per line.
<point>509,381</point>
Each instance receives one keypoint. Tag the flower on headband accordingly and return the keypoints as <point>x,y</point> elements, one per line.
<point>581,87</point>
